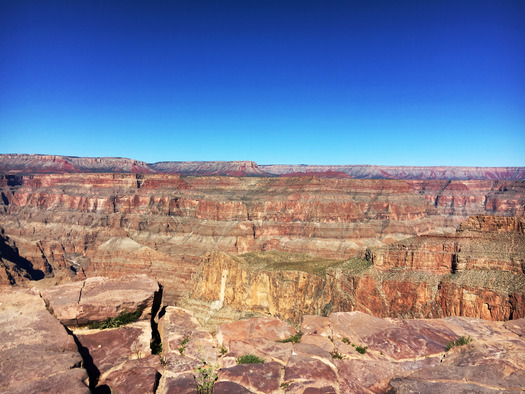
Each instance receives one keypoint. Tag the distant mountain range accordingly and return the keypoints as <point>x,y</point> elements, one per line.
<point>12,164</point>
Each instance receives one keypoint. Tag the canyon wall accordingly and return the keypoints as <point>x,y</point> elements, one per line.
<point>479,274</point>
<point>69,226</point>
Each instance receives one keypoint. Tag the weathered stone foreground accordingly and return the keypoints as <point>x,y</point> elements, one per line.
<point>36,352</point>
<point>400,356</point>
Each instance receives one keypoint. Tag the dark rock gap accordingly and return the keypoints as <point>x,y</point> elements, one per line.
<point>88,364</point>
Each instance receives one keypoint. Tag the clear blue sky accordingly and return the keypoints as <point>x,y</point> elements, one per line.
<point>314,82</point>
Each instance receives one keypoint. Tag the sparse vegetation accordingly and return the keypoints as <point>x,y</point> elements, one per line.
<point>114,322</point>
<point>461,341</point>
<point>294,338</point>
<point>286,261</point>
<point>336,355</point>
<point>249,359</point>
<point>346,341</point>
<point>206,375</point>
<point>223,350</point>
<point>182,346</point>
<point>361,349</point>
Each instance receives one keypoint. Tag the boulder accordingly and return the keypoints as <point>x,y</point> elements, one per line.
<point>96,299</point>
<point>36,352</point>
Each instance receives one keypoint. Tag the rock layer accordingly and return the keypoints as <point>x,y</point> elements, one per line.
<point>477,272</point>
<point>53,164</point>
<point>77,225</point>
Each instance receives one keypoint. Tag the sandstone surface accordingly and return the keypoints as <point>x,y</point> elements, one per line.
<point>343,352</point>
<point>36,352</point>
<point>96,299</point>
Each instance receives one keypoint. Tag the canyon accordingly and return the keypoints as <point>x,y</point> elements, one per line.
<point>69,226</point>
<point>230,240</point>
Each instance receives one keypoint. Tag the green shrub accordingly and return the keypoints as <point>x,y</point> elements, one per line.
<point>223,350</point>
<point>249,359</point>
<point>346,341</point>
<point>461,341</point>
<point>182,346</point>
<point>361,349</point>
<point>294,338</point>
<point>206,377</point>
<point>114,322</point>
<point>336,355</point>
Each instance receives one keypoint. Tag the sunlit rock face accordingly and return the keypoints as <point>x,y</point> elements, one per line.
<point>36,352</point>
<point>75,225</point>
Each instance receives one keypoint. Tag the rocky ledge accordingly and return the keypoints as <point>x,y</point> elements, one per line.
<point>344,352</point>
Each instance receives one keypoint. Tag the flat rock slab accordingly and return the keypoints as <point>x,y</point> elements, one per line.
<point>516,326</point>
<point>35,350</point>
<point>357,375</point>
<point>408,339</point>
<point>96,299</point>
<point>230,388</point>
<point>269,328</point>
<point>303,368</point>
<point>310,387</point>
<point>258,378</point>
<point>133,376</point>
<point>182,334</point>
<point>262,348</point>
<point>110,348</point>
<point>183,383</point>
<point>499,366</point>
<point>319,340</point>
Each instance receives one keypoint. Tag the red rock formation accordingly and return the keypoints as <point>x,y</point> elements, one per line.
<point>471,273</point>
<point>78,225</point>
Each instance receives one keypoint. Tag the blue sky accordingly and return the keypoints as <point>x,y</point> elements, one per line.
<point>290,82</point>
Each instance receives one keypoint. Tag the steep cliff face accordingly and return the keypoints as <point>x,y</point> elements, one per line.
<point>110,224</point>
<point>428,277</point>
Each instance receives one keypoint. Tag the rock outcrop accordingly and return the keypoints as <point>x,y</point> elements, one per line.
<point>350,352</point>
<point>288,290</point>
<point>344,352</point>
<point>97,299</point>
<point>116,334</point>
<point>36,352</point>
<point>477,272</point>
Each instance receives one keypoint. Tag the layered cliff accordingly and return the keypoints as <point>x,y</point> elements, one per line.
<point>480,274</point>
<point>109,224</point>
